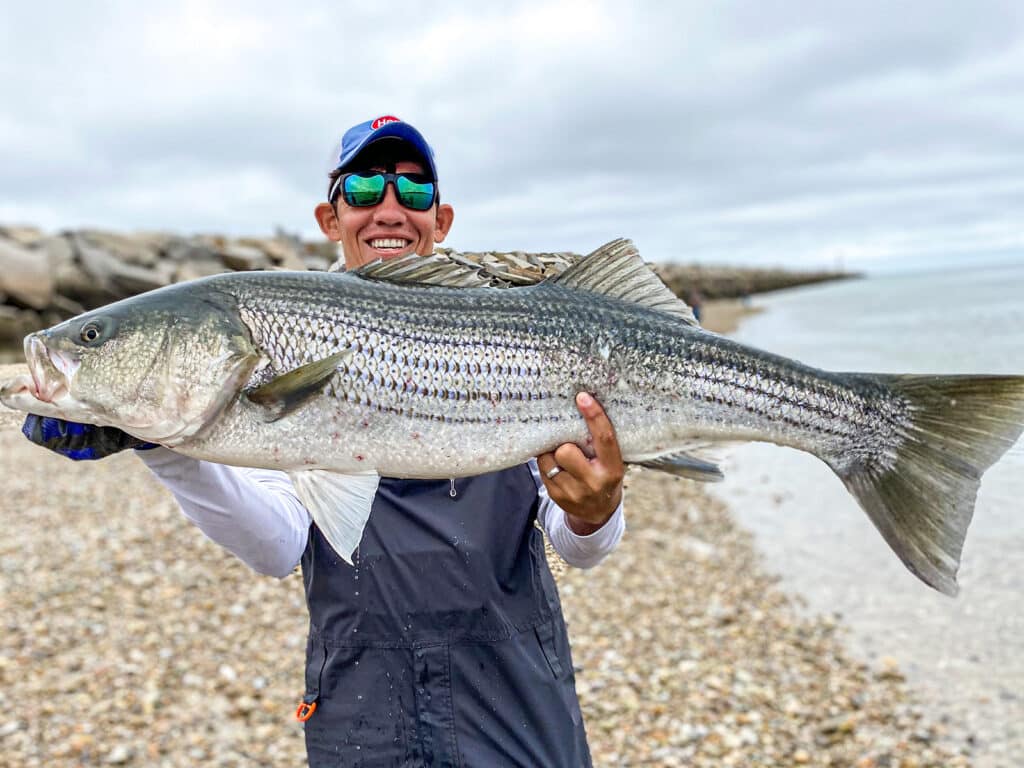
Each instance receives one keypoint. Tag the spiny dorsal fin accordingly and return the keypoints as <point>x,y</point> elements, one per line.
<point>616,269</point>
<point>426,270</point>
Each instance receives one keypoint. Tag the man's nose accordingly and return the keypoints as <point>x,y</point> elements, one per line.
<point>389,210</point>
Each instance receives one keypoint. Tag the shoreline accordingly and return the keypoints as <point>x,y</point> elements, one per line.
<point>723,316</point>
<point>140,642</point>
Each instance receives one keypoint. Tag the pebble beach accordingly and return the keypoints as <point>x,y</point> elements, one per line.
<point>129,639</point>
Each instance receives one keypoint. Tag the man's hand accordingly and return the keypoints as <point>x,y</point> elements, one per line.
<point>589,490</point>
<point>79,442</point>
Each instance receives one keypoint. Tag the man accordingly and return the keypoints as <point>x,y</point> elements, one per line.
<point>445,644</point>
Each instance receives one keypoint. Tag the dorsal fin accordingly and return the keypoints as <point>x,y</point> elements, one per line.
<point>616,269</point>
<point>437,269</point>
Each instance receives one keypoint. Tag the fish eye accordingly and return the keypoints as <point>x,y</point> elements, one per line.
<point>94,332</point>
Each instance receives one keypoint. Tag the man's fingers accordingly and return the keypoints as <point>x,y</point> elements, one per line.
<point>570,458</point>
<point>606,445</point>
<point>545,463</point>
<point>581,476</point>
<point>564,484</point>
<point>586,483</point>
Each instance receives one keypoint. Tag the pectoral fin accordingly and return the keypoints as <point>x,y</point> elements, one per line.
<point>339,504</point>
<point>286,392</point>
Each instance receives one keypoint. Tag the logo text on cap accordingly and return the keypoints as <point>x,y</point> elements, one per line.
<point>383,120</point>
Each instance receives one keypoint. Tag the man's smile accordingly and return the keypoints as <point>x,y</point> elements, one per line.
<point>389,243</point>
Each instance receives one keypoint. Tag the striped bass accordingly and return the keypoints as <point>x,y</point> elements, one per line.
<point>338,379</point>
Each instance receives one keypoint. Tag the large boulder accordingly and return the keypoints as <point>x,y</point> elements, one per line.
<point>58,248</point>
<point>118,277</point>
<point>137,250</point>
<point>244,257</point>
<point>181,250</point>
<point>27,236</point>
<point>194,269</point>
<point>16,324</point>
<point>26,275</point>
<point>283,252</point>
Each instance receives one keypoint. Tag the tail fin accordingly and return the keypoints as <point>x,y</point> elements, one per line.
<point>922,502</point>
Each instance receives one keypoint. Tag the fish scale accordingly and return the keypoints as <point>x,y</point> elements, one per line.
<point>446,366</point>
<point>427,354</point>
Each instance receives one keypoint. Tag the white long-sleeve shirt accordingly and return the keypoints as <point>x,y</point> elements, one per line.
<point>256,515</point>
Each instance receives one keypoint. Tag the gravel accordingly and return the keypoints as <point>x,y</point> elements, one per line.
<point>689,654</point>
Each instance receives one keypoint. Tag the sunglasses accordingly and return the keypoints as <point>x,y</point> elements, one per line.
<point>362,190</point>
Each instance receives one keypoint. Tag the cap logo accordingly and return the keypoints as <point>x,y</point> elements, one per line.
<point>382,121</point>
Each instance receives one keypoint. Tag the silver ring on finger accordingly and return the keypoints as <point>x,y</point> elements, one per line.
<point>553,471</point>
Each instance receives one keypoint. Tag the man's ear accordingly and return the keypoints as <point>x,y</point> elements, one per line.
<point>327,218</point>
<point>443,222</point>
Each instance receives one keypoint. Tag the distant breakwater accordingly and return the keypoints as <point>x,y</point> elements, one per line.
<point>46,278</point>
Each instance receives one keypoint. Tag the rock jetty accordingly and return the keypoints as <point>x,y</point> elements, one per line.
<point>46,278</point>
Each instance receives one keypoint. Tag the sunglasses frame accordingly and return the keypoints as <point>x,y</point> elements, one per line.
<point>338,190</point>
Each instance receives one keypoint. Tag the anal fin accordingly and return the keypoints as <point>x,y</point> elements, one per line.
<point>685,465</point>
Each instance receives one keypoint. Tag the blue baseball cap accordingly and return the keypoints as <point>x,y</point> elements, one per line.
<point>359,137</point>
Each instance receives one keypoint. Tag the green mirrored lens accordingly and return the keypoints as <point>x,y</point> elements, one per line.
<point>414,194</point>
<point>362,191</point>
<point>412,191</point>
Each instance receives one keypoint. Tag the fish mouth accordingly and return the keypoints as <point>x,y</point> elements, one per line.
<point>44,389</point>
<point>51,370</point>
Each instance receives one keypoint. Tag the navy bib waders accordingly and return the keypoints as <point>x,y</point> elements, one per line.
<point>445,644</point>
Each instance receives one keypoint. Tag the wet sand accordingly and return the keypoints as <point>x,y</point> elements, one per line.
<point>725,315</point>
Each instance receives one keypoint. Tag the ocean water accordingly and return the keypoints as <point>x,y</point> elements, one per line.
<point>965,655</point>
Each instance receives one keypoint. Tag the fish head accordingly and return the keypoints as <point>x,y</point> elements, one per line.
<point>161,366</point>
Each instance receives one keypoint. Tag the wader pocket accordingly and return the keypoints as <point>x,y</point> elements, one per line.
<point>546,637</point>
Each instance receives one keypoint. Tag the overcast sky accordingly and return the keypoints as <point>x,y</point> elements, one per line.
<point>876,135</point>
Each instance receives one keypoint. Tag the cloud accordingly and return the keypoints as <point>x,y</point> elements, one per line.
<point>756,133</point>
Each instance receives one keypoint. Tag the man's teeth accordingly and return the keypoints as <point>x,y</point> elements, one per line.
<point>389,242</point>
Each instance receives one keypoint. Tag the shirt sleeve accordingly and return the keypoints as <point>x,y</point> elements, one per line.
<point>253,513</point>
<point>578,551</point>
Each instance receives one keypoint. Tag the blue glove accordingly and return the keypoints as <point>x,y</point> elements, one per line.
<point>79,442</point>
